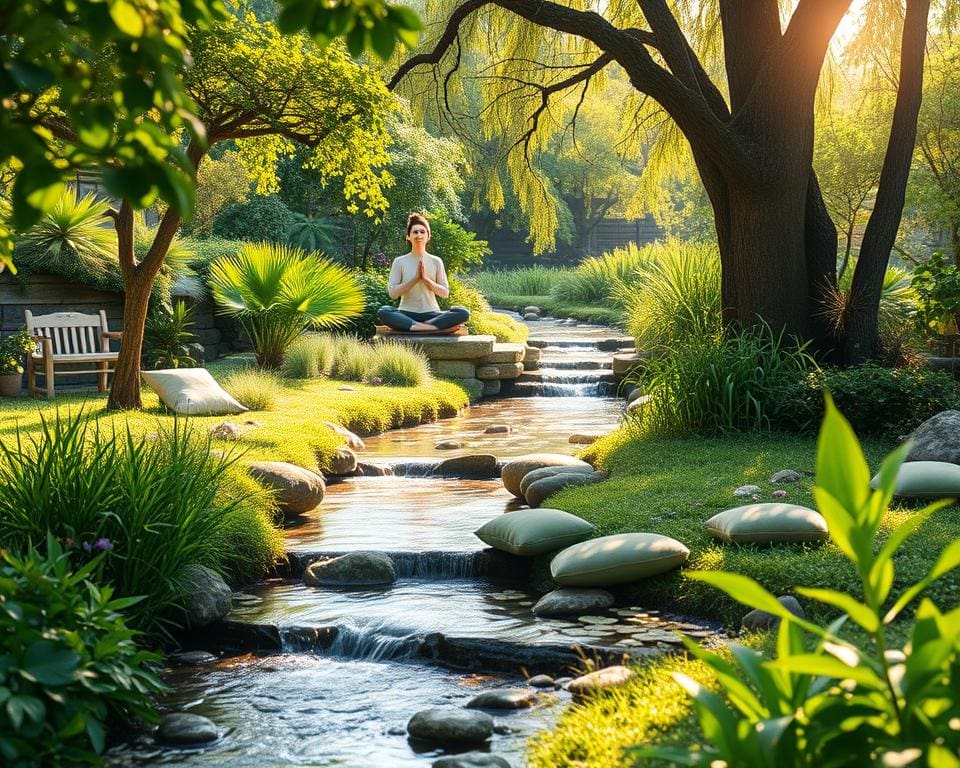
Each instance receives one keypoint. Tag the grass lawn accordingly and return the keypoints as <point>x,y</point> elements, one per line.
<point>291,431</point>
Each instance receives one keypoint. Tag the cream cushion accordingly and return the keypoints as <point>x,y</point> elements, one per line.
<point>768,524</point>
<point>617,559</point>
<point>534,531</point>
<point>191,391</point>
<point>927,480</point>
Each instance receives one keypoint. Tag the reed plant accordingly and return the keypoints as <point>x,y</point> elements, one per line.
<point>399,365</point>
<point>596,278</point>
<point>529,281</point>
<point>309,357</point>
<point>254,387</point>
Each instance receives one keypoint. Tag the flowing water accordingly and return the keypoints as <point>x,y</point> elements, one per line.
<point>353,667</point>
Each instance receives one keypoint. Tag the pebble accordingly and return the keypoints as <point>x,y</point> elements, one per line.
<point>346,388</point>
<point>597,619</point>
<point>746,490</point>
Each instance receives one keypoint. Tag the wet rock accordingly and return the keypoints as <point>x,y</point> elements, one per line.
<point>757,620</point>
<point>531,308</point>
<point>397,731</point>
<point>530,316</point>
<point>206,596</point>
<point>365,469</point>
<point>344,461</point>
<point>613,344</point>
<point>544,472</point>
<point>226,430</point>
<point>448,445</point>
<point>785,476</point>
<point>449,725</point>
<point>602,678</point>
<point>471,760</point>
<point>191,658</point>
<point>492,386</point>
<point>297,489</point>
<point>352,440</point>
<point>542,490</point>
<point>502,729</point>
<point>504,698</point>
<point>184,728</point>
<point>572,601</point>
<point>563,682</point>
<point>476,466</point>
<point>514,471</point>
<point>541,681</point>
<point>937,439</point>
<point>351,569</point>
<point>746,490</point>
<point>585,438</point>
<point>497,429</point>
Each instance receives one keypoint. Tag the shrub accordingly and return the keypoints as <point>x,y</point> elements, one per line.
<point>504,327</point>
<point>530,281</point>
<point>69,660</point>
<point>13,348</point>
<point>166,337</point>
<point>309,357</point>
<point>255,388</point>
<point>162,504</point>
<point>353,360</point>
<point>375,295</point>
<point>277,292</point>
<point>710,386</point>
<point>885,402</point>
<point>259,219</point>
<point>458,248</point>
<point>596,278</point>
<point>399,365</point>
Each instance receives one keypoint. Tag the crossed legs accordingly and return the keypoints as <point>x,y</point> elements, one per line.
<point>401,320</point>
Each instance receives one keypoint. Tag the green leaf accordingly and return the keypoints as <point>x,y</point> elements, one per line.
<point>127,18</point>
<point>29,706</point>
<point>841,466</point>
<point>383,40</point>
<point>29,76</point>
<point>356,40</point>
<point>296,16</point>
<point>839,521</point>
<point>96,734</point>
<point>860,613</point>
<point>948,560</point>
<point>49,664</point>
<point>827,666</point>
<point>718,723</point>
<point>404,17</point>
<point>739,694</point>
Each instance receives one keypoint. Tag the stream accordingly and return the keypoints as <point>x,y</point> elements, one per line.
<point>349,667</point>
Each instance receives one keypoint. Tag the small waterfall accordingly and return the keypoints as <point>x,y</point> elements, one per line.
<point>415,468</point>
<point>439,566</point>
<point>547,389</point>
<point>576,365</point>
<point>350,640</point>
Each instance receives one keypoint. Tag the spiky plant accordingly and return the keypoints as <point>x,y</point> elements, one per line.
<point>74,233</point>
<point>277,292</point>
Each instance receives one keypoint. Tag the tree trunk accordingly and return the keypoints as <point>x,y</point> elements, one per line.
<point>820,243</point>
<point>125,392</point>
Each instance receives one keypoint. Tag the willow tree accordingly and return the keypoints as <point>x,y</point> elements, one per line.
<point>747,115</point>
<point>267,93</point>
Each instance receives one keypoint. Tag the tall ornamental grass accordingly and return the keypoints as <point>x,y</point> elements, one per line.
<point>309,357</point>
<point>157,505</point>
<point>255,388</point>
<point>529,281</point>
<point>353,360</point>
<point>596,278</point>
<point>399,365</point>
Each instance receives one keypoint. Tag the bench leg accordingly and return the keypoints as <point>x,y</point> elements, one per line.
<point>48,374</point>
<point>102,376</point>
<point>31,376</point>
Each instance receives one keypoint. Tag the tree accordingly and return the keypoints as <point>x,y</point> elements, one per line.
<point>266,93</point>
<point>220,182</point>
<point>751,137</point>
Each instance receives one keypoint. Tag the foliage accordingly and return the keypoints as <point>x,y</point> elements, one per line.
<point>375,295</point>
<point>70,662</point>
<point>353,360</point>
<point>261,218</point>
<point>220,182</point>
<point>309,357</point>
<point>312,233</point>
<point>277,292</point>
<point>12,350</point>
<point>675,298</point>
<point>937,283</point>
<point>255,388</point>
<point>597,279</point>
<point>887,402</point>
<point>528,281</point>
<point>458,248</point>
<point>483,320</point>
<point>167,337</point>
<point>886,705</point>
<point>711,385</point>
<point>162,504</point>
<point>399,365</point>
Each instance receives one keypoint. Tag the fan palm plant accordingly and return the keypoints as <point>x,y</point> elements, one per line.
<point>277,292</point>
<point>74,232</point>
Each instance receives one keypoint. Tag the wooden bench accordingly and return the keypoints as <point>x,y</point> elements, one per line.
<point>68,338</point>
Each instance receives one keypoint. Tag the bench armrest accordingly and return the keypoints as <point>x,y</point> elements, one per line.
<point>112,334</point>
<point>46,346</point>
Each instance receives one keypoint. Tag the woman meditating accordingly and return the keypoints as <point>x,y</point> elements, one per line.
<point>418,278</point>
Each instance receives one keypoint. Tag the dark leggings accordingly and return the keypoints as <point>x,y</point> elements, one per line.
<point>401,320</point>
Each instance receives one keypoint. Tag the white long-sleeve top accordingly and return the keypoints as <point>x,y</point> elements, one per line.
<point>419,298</point>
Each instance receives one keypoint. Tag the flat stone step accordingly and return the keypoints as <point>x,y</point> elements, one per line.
<point>449,347</point>
<point>612,344</point>
<point>561,364</point>
<point>555,376</point>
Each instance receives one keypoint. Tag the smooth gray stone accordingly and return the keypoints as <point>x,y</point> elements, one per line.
<point>504,698</point>
<point>757,619</point>
<point>344,461</point>
<point>351,569</point>
<point>746,490</point>
<point>572,601</point>
<point>602,678</point>
<point>541,490</point>
<point>205,596</point>
<point>541,681</point>
<point>184,728</point>
<point>937,439</point>
<point>298,490</point>
<point>451,725</point>
<point>544,472</point>
<point>471,760</point>
<point>785,476</point>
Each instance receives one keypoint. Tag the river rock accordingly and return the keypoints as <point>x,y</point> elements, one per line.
<point>530,316</point>
<point>365,469</point>
<point>544,472</point>
<point>205,596</point>
<point>602,678</point>
<point>451,725</point>
<point>346,388</point>
<point>542,681</point>
<point>352,569</point>
<point>349,437</point>
<point>785,476</point>
<point>937,439</point>
<point>448,445</point>
<point>585,438</point>
<point>514,471</point>
<point>475,466</point>
<point>757,619</point>
<point>344,461</point>
<point>531,308</point>
<point>298,490</point>
<point>568,601</point>
<point>542,490</point>
<point>471,760</point>
<point>226,430</point>
<point>635,394</point>
<point>497,429</point>
<point>191,658</point>
<point>504,698</point>
<point>185,728</point>
<point>747,490</point>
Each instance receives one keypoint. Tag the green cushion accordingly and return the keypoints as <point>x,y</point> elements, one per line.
<point>534,531</point>
<point>767,524</point>
<point>617,559</point>
<point>927,480</point>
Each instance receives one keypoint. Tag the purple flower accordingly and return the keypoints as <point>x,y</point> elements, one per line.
<point>87,546</point>
<point>103,545</point>
<point>780,494</point>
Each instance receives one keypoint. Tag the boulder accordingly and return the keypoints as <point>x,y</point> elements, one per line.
<point>746,491</point>
<point>635,394</point>
<point>530,316</point>
<point>542,490</point>
<point>504,698</point>
<point>491,387</point>
<point>474,387</point>
<point>572,601</point>
<point>514,471</point>
<point>354,569</point>
<point>785,476</point>
<point>471,760</point>
<point>225,430</point>
<point>448,445</point>
<point>344,461</point>
<point>349,438</point>
<point>298,490</point>
<point>365,469</point>
<point>205,596</point>
<point>477,466</point>
<point>185,728</point>
<point>937,439</point>
<point>451,725</point>
<point>531,308</point>
<point>542,681</point>
<point>455,369</point>
<point>544,472</point>
<point>497,429</point>
<point>757,619</point>
<point>602,678</point>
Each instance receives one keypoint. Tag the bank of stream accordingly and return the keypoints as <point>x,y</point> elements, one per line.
<point>324,677</point>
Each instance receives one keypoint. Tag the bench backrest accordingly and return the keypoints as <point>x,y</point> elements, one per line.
<point>71,333</point>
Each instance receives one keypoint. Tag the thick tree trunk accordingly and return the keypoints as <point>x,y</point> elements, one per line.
<point>820,243</point>
<point>125,392</point>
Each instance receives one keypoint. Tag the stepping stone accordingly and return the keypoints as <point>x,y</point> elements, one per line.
<point>471,760</point>
<point>596,619</point>
<point>351,569</point>
<point>541,681</point>
<point>185,728</point>
<point>504,698</point>
<point>595,681</point>
<point>192,658</point>
<point>451,725</point>
<point>297,490</point>
<point>572,601</point>
<point>474,466</point>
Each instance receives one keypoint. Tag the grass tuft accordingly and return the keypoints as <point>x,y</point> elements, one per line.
<point>255,388</point>
<point>399,365</point>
